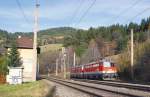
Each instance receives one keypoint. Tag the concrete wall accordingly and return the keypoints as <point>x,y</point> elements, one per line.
<point>27,63</point>
<point>27,60</point>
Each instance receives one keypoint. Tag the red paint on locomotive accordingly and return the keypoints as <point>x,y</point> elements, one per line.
<point>95,70</point>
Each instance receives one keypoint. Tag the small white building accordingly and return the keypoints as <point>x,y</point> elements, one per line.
<point>15,75</point>
<point>25,48</point>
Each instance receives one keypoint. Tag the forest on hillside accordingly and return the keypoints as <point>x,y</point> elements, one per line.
<point>116,34</point>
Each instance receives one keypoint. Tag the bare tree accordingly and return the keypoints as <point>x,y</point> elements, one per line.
<point>91,54</point>
<point>47,61</point>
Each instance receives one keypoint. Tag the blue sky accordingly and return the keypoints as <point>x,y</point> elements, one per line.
<point>59,13</point>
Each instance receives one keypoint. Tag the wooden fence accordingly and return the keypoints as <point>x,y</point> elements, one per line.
<point>2,79</point>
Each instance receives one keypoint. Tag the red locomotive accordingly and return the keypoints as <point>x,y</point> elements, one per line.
<point>96,70</point>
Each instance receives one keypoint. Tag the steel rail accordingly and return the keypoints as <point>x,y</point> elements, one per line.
<point>92,88</point>
<point>118,84</point>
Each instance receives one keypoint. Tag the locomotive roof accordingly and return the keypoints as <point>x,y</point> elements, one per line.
<point>93,63</point>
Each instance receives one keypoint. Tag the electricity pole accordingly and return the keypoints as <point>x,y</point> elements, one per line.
<point>64,60</point>
<point>74,59</point>
<point>64,66</point>
<point>132,55</point>
<point>62,51</point>
<point>148,33</point>
<point>34,73</point>
<point>56,67</point>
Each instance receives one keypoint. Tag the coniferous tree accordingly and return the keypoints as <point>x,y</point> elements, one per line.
<point>14,59</point>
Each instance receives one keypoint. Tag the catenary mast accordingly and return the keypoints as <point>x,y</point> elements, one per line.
<point>36,14</point>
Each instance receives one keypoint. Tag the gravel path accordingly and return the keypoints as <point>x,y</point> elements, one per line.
<point>64,91</point>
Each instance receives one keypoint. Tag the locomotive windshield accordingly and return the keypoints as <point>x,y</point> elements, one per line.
<point>107,64</point>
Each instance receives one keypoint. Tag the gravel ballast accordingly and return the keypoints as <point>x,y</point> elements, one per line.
<point>64,91</point>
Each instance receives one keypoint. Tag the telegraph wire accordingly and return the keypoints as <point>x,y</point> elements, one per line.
<point>127,9</point>
<point>76,11</point>
<point>84,14</point>
<point>141,12</point>
<point>22,11</point>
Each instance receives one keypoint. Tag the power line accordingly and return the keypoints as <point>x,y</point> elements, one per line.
<point>76,11</point>
<point>92,4</point>
<point>127,9</point>
<point>141,12</point>
<point>22,11</point>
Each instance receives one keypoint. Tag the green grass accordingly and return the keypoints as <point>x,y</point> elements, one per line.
<point>13,88</point>
<point>50,47</point>
<point>33,89</point>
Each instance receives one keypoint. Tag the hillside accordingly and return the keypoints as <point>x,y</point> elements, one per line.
<point>47,36</point>
<point>54,35</point>
<point>61,31</point>
<point>50,47</point>
<point>114,37</point>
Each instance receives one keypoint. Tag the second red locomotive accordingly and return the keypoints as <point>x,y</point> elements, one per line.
<point>96,70</point>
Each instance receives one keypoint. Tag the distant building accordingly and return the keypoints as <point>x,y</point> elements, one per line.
<point>25,48</point>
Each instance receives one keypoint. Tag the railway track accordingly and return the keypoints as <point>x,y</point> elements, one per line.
<point>118,84</point>
<point>101,90</point>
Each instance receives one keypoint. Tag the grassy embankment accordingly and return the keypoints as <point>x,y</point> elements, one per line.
<point>50,47</point>
<point>33,89</point>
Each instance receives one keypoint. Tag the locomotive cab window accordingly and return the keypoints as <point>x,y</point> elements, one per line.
<point>107,64</point>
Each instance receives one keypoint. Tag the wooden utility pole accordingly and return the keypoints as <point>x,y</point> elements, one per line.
<point>38,65</point>
<point>74,59</point>
<point>132,55</point>
<point>56,67</point>
<point>64,61</point>
<point>62,51</point>
<point>64,67</point>
<point>34,73</point>
<point>148,33</point>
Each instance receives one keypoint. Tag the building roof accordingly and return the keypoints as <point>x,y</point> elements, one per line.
<point>24,42</point>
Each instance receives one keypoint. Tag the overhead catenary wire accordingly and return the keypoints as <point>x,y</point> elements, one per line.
<point>85,13</point>
<point>126,10</point>
<point>22,11</point>
<point>76,12</point>
<point>140,13</point>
